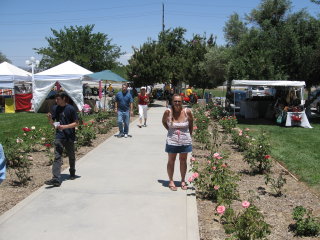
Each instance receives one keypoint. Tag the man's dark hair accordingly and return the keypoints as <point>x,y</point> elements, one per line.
<point>62,95</point>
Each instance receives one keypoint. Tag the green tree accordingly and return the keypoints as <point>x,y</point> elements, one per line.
<point>270,13</point>
<point>315,1</point>
<point>93,51</point>
<point>216,64</point>
<point>3,58</point>
<point>234,29</point>
<point>172,44</point>
<point>145,65</point>
<point>195,73</point>
<point>279,45</point>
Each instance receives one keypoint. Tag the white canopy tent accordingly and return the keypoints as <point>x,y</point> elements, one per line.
<point>68,74</point>
<point>269,83</point>
<point>265,83</point>
<point>9,74</point>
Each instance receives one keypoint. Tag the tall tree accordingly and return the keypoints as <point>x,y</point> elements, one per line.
<point>315,1</point>
<point>270,13</point>
<point>234,29</point>
<point>172,44</point>
<point>79,44</point>
<point>194,72</point>
<point>145,65</point>
<point>3,58</point>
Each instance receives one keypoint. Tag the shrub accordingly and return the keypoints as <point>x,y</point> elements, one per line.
<point>306,224</point>
<point>216,111</point>
<point>213,179</point>
<point>228,123</point>
<point>257,154</point>
<point>241,138</point>
<point>247,225</point>
<point>85,134</point>
<point>101,116</point>
<point>276,184</point>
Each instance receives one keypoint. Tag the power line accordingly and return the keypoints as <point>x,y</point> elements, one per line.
<point>83,19</point>
<point>76,11</point>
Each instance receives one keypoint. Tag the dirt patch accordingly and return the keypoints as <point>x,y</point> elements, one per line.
<point>11,193</point>
<point>277,210</point>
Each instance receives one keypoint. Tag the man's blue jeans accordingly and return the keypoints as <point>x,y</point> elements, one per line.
<point>123,122</point>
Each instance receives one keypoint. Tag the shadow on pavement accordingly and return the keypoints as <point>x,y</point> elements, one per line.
<point>64,177</point>
<point>165,183</point>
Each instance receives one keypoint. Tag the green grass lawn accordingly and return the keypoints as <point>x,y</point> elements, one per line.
<point>11,124</point>
<point>217,92</point>
<point>297,148</point>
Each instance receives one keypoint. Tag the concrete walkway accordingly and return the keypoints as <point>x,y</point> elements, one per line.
<point>122,194</point>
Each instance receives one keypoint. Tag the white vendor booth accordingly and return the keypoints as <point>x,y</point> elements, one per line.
<point>260,107</point>
<point>68,74</point>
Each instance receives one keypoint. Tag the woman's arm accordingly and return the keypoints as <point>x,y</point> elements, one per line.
<point>190,119</point>
<point>165,118</point>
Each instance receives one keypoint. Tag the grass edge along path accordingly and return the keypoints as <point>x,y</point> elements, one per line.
<point>295,148</point>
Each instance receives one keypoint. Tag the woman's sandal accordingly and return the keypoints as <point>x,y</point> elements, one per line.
<point>184,186</point>
<point>173,188</point>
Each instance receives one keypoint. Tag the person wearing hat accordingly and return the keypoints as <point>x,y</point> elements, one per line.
<point>143,106</point>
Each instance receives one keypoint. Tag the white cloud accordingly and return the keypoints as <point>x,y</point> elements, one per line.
<point>124,58</point>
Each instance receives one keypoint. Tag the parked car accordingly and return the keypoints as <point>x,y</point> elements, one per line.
<point>233,100</point>
<point>314,99</point>
<point>256,91</point>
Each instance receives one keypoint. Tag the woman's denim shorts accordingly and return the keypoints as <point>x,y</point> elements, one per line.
<point>178,149</point>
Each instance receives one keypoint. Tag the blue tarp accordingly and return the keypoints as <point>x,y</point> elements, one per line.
<point>2,165</point>
<point>105,75</point>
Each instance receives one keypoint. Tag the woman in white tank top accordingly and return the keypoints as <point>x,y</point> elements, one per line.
<point>179,123</point>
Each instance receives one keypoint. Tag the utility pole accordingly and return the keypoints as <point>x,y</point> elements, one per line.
<point>162,17</point>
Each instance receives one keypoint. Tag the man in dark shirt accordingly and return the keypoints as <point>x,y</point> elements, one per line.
<point>64,119</point>
<point>124,104</point>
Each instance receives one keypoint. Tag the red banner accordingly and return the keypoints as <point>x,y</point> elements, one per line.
<point>23,101</point>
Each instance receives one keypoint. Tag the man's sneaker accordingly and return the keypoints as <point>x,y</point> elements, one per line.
<point>72,174</point>
<point>126,135</point>
<point>145,125</point>
<point>120,135</point>
<point>53,182</point>
<point>72,177</point>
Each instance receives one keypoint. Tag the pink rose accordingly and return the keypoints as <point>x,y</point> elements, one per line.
<point>195,175</point>
<point>216,187</point>
<point>221,209</point>
<point>209,162</point>
<point>224,165</point>
<point>216,155</point>
<point>245,204</point>
<point>190,179</point>
<point>195,128</point>
<point>247,129</point>
<point>30,158</point>
<point>214,168</point>
<point>192,159</point>
<point>219,157</point>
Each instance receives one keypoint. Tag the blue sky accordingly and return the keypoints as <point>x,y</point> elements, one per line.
<point>25,24</point>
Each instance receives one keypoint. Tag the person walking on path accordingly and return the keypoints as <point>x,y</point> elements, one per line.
<point>179,123</point>
<point>124,108</point>
<point>143,106</point>
<point>64,119</point>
